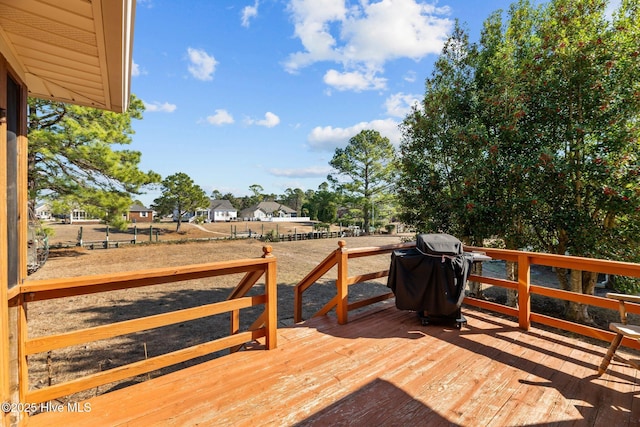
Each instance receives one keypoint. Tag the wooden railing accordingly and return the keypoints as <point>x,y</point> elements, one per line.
<point>523,286</point>
<point>253,269</point>
<point>340,258</point>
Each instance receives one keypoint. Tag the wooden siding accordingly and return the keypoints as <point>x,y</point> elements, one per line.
<point>384,368</point>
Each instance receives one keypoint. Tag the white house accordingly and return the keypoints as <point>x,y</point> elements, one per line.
<point>264,211</point>
<point>222,210</point>
<point>43,211</point>
<point>218,211</point>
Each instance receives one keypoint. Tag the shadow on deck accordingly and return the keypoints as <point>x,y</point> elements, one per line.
<point>383,368</point>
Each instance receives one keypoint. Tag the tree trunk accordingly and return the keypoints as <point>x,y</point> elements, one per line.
<point>512,274</point>
<point>475,288</point>
<point>581,282</point>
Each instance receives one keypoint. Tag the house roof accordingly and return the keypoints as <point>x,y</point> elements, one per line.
<point>139,208</point>
<point>221,205</point>
<point>267,208</point>
<point>74,51</point>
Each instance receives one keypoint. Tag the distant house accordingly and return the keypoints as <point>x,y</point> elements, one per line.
<point>139,213</point>
<point>218,211</point>
<point>222,210</point>
<point>264,211</point>
<point>43,211</point>
<point>80,215</point>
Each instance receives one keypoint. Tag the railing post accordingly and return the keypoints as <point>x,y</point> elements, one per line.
<point>23,365</point>
<point>271,287</point>
<point>524,295</point>
<point>341,282</point>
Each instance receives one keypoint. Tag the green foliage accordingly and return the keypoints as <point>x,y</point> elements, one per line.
<point>119,223</point>
<point>533,135</point>
<point>322,226</point>
<point>48,231</point>
<point>441,186</point>
<point>180,195</point>
<point>271,236</point>
<point>627,285</point>
<point>364,172</point>
<point>73,155</point>
<point>321,205</point>
<point>293,198</point>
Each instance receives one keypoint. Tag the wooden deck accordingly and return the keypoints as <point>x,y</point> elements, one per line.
<point>384,368</point>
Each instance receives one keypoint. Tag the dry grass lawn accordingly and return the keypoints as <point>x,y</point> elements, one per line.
<point>295,260</point>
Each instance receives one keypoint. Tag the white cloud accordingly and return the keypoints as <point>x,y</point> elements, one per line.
<point>135,69</point>
<point>410,76</point>
<point>356,81</point>
<point>391,29</point>
<point>270,120</point>
<point>202,65</point>
<point>310,172</point>
<point>249,12</point>
<point>365,35</point>
<point>164,107</point>
<point>221,117</point>
<point>399,104</point>
<point>329,138</point>
<point>311,20</point>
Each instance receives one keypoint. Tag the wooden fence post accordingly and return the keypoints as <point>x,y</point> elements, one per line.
<point>271,290</point>
<point>524,295</point>
<point>341,283</point>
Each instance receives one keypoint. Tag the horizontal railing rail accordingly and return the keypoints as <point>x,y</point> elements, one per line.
<point>340,258</point>
<point>522,285</point>
<point>253,269</point>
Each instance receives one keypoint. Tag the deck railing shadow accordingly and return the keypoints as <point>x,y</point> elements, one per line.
<point>501,342</point>
<point>373,401</point>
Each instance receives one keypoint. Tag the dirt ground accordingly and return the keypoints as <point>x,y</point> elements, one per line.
<point>295,260</point>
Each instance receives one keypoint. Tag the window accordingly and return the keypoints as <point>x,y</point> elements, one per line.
<point>13,213</point>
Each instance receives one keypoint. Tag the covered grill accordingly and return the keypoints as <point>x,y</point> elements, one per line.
<point>431,278</point>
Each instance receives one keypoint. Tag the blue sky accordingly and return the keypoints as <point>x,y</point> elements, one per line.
<point>263,91</point>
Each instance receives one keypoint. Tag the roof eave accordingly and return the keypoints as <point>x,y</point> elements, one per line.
<point>103,81</point>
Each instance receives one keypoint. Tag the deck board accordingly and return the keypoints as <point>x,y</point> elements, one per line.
<point>384,368</point>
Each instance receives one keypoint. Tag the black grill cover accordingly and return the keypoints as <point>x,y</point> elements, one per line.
<point>432,277</point>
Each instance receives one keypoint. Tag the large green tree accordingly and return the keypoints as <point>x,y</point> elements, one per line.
<point>584,107</point>
<point>550,102</point>
<point>364,171</point>
<point>441,185</point>
<point>293,198</point>
<point>75,156</point>
<point>179,196</point>
<point>321,205</point>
